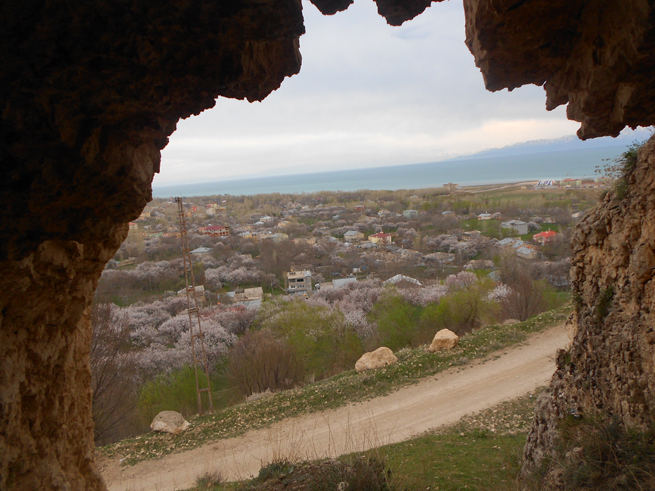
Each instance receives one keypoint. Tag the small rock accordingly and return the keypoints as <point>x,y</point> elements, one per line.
<point>444,339</point>
<point>376,359</point>
<point>169,422</point>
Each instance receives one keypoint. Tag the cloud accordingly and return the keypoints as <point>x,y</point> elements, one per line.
<point>368,95</point>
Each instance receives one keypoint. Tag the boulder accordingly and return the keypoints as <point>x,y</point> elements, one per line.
<point>169,422</point>
<point>444,339</point>
<point>376,359</point>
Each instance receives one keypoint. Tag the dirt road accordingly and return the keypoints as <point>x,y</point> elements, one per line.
<point>431,403</point>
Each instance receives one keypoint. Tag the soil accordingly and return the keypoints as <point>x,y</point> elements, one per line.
<point>433,402</point>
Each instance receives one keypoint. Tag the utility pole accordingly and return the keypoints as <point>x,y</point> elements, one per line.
<point>195,329</point>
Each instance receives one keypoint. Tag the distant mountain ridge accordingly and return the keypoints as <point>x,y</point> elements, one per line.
<point>570,142</point>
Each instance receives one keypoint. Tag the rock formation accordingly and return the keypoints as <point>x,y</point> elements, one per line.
<point>610,368</point>
<point>444,339</point>
<point>169,422</point>
<point>379,358</point>
<point>597,56</point>
<point>90,92</point>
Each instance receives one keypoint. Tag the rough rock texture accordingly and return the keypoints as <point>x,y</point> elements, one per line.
<point>381,357</point>
<point>596,55</point>
<point>610,368</point>
<point>89,93</point>
<point>169,422</point>
<point>46,431</point>
<point>444,339</point>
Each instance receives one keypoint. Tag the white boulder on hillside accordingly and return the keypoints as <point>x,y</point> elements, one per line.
<point>444,339</point>
<point>169,422</point>
<point>379,358</point>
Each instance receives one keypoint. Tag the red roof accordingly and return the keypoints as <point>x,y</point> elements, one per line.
<point>214,227</point>
<point>380,235</point>
<point>545,235</point>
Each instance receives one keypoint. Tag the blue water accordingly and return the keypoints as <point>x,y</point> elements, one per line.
<point>467,172</point>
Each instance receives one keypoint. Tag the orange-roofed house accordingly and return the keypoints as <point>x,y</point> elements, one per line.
<point>544,238</point>
<point>380,238</point>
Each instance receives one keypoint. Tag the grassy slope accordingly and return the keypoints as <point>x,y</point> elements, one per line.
<point>481,452</point>
<point>340,390</point>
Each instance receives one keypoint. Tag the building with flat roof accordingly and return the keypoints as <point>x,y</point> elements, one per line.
<point>299,282</point>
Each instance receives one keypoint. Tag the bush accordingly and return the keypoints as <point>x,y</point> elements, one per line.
<point>396,319</point>
<point>462,311</point>
<point>113,374</point>
<point>259,362</point>
<point>599,453</point>
<point>320,336</point>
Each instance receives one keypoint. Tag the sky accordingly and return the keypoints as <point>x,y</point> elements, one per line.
<point>367,95</point>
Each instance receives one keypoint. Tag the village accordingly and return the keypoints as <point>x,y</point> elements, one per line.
<point>307,243</point>
<point>320,279</point>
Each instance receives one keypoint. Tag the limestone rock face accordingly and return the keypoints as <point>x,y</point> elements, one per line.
<point>594,55</point>
<point>89,94</point>
<point>610,368</point>
<point>169,422</point>
<point>379,358</point>
<point>444,339</point>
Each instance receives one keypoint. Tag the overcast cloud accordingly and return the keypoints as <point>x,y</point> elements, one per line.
<point>367,95</point>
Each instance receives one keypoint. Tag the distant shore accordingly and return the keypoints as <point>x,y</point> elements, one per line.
<point>498,171</point>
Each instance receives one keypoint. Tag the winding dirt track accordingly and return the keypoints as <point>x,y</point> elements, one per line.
<point>433,402</point>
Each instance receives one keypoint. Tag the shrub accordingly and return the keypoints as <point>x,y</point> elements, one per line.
<point>396,319</point>
<point>259,362</point>
<point>599,453</point>
<point>113,370</point>
<point>461,311</point>
<point>323,340</point>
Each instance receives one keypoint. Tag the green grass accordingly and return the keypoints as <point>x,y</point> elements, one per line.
<point>481,452</point>
<point>337,391</point>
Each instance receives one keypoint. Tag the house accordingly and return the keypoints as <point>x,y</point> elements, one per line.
<point>367,245</point>
<point>200,251</point>
<point>544,238</point>
<point>401,281</point>
<point>360,208</point>
<point>353,235</point>
<point>384,213</point>
<point>299,282</point>
<point>527,252</point>
<point>518,226</point>
<point>134,226</point>
<point>510,243</point>
<point>341,282</point>
<point>468,236</point>
<point>570,182</point>
<point>215,230</point>
<point>479,264</point>
<point>266,219</point>
<point>578,214</point>
<point>447,213</point>
<point>380,238</point>
<point>484,216</point>
<point>440,257</point>
<point>246,235</point>
<point>250,298</point>
<point>279,237</point>
<point>410,213</point>
<point>200,292</point>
